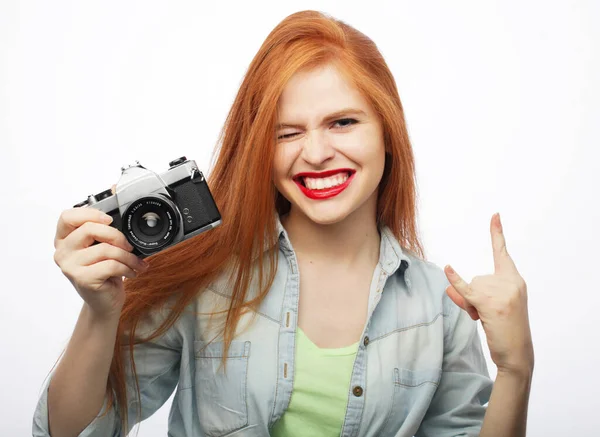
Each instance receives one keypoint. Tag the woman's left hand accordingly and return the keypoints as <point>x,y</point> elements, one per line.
<point>500,302</point>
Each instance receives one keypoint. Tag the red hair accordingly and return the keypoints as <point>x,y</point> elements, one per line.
<point>242,186</point>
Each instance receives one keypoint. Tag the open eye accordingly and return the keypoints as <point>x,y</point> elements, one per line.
<point>344,122</point>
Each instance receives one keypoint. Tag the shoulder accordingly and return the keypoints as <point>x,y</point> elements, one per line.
<point>427,277</point>
<point>426,271</point>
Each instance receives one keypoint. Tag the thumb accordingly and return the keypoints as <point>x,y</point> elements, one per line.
<point>461,302</point>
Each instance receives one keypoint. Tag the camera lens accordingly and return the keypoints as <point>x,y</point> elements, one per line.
<point>150,223</point>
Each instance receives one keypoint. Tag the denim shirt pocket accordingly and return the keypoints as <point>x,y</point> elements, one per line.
<point>221,393</point>
<point>413,391</point>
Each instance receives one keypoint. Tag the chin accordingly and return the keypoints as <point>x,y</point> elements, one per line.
<point>325,216</point>
<point>327,220</point>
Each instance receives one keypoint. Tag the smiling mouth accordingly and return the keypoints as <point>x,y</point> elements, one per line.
<point>323,181</point>
<point>324,185</point>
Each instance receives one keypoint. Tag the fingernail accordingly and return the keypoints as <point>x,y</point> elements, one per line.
<point>499,221</point>
<point>107,219</point>
<point>143,264</point>
<point>450,270</point>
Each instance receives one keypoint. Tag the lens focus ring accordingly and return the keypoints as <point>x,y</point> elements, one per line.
<point>150,223</point>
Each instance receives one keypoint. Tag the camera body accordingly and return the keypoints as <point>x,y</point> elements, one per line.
<point>154,211</point>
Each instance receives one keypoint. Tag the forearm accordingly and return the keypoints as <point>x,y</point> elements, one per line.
<point>78,386</point>
<point>506,414</point>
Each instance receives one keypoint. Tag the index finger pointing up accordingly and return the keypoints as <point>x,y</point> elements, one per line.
<point>503,263</point>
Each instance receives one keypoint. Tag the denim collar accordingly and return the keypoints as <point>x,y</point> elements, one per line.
<point>391,254</point>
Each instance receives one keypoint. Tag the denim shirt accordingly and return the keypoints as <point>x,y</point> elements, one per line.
<point>419,370</point>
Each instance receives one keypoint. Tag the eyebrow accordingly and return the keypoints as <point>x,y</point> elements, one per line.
<point>327,118</point>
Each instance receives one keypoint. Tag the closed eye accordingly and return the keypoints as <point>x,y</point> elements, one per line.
<point>288,135</point>
<point>338,124</point>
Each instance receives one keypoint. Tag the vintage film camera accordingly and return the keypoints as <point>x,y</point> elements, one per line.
<point>158,211</point>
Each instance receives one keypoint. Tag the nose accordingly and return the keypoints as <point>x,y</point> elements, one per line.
<point>317,149</point>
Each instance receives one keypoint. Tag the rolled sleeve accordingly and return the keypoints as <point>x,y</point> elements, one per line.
<point>460,401</point>
<point>106,426</point>
<point>157,367</point>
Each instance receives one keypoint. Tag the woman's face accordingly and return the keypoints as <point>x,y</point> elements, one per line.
<point>330,150</point>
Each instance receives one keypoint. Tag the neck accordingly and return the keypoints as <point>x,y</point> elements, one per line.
<point>353,240</point>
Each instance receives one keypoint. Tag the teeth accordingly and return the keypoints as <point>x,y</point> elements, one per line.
<point>322,183</point>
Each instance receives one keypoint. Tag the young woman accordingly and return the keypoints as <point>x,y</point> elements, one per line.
<point>310,311</point>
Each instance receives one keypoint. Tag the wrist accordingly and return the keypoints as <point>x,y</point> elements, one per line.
<point>524,372</point>
<point>96,319</point>
<point>520,364</point>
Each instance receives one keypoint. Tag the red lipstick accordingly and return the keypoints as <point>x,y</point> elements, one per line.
<point>324,193</point>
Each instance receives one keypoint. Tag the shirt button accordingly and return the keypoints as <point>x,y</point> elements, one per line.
<point>366,341</point>
<point>357,391</point>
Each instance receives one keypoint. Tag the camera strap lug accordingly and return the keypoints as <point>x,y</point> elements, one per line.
<point>195,173</point>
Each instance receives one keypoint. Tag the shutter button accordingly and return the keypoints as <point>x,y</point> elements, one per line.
<point>357,391</point>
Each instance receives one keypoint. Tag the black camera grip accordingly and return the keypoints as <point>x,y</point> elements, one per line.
<point>196,204</point>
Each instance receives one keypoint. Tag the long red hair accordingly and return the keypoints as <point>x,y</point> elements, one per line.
<point>242,186</point>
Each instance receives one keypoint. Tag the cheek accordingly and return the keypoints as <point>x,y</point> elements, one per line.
<point>285,156</point>
<point>366,150</point>
<point>374,153</point>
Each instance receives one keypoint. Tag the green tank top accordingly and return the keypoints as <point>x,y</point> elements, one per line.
<point>321,384</point>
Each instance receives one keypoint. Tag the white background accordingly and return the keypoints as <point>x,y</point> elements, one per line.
<point>501,101</point>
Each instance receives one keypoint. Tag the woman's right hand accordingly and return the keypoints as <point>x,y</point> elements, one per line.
<point>95,270</point>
